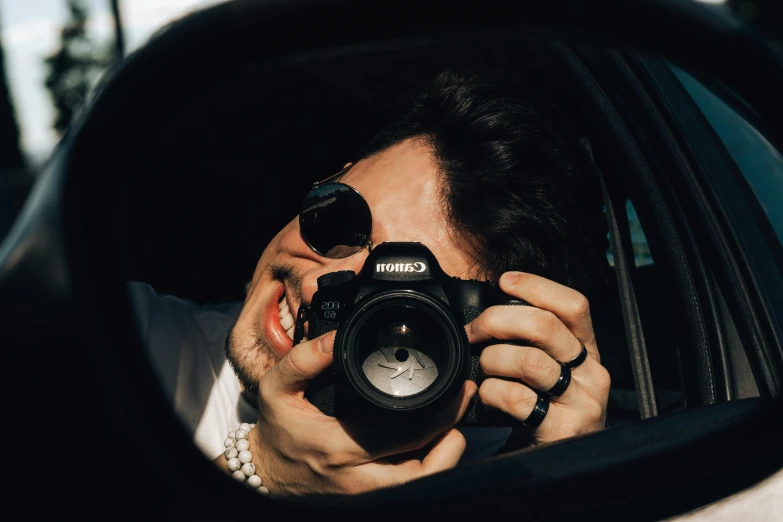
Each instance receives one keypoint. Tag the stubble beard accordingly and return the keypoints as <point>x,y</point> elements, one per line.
<point>248,360</point>
<point>254,358</point>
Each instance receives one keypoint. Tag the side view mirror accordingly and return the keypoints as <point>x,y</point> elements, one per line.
<point>85,391</point>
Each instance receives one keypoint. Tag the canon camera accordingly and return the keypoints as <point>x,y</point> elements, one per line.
<point>400,351</point>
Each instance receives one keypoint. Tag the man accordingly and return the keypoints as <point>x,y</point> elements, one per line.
<point>495,191</point>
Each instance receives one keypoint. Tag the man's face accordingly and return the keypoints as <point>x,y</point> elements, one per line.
<point>405,194</point>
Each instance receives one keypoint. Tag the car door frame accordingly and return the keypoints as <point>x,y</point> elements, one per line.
<point>744,253</point>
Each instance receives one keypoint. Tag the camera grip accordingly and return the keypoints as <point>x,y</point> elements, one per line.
<point>320,391</point>
<point>478,414</point>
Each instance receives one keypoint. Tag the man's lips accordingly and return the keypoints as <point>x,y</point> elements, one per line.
<point>280,341</point>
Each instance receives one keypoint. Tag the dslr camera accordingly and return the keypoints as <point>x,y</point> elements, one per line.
<point>400,351</point>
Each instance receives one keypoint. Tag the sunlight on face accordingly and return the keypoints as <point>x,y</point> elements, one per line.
<point>404,190</point>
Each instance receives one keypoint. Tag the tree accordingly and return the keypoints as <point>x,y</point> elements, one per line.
<point>75,68</point>
<point>15,180</point>
<point>11,158</point>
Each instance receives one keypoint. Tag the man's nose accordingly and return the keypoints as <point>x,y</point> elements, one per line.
<point>354,263</point>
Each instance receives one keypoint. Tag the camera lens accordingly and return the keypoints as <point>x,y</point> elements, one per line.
<point>401,350</point>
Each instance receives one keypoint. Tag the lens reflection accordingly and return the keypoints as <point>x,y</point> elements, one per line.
<point>401,348</point>
<point>335,220</point>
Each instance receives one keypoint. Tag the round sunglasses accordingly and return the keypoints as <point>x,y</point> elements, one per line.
<point>335,219</point>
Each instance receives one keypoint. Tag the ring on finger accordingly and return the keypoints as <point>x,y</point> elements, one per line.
<point>562,382</point>
<point>578,360</point>
<point>536,417</point>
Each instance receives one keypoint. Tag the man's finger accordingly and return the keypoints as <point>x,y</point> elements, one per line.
<point>375,442</point>
<point>531,365</point>
<point>538,327</point>
<point>445,454</point>
<point>305,361</point>
<point>570,306</point>
<point>511,397</point>
<point>362,444</point>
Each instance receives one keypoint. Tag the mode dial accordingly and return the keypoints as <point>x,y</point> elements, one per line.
<point>335,278</point>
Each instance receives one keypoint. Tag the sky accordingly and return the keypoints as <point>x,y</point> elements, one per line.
<point>29,30</point>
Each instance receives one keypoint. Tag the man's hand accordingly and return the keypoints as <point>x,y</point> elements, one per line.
<point>299,450</point>
<point>552,329</point>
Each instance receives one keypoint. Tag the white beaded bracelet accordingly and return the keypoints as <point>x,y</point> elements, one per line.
<point>239,458</point>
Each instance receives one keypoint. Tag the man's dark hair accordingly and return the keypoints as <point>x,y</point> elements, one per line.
<point>518,185</point>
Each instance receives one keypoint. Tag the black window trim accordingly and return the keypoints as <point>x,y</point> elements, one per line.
<point>746,257</point>
<point>644,158</point>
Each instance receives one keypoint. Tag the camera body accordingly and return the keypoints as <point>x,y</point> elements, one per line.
<point>400,352</point>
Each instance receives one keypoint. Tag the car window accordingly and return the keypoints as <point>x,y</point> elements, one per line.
<point>756,157</point>
<point>746,171</point>
<point>641,250</point>
<point>660,326</point>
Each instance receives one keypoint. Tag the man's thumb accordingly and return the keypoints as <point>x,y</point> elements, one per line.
<point>305,360</point>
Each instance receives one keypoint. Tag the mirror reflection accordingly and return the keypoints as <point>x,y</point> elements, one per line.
<point>483,290</point>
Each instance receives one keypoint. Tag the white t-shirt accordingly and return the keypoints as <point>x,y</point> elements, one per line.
<point>186,344</point>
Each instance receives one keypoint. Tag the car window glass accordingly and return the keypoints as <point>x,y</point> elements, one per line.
<point>757,159</point>
<point>641,250</point>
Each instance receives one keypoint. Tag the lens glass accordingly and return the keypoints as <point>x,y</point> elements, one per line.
<point>400,348</point>
<point>335,220</point>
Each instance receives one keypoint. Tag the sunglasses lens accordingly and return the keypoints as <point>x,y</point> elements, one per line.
<point>335,220</point>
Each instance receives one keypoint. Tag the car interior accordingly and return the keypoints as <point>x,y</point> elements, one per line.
<point>223,169</point>
<point>200,148</point>
<point>238,156</point>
